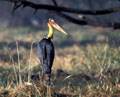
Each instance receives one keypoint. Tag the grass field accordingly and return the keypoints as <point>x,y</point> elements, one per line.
<point>87,63</point>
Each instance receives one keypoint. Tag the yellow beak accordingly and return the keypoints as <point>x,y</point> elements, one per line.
<point>59,28</point>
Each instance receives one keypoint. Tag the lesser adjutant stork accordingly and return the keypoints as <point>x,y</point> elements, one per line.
<point>46,51</point>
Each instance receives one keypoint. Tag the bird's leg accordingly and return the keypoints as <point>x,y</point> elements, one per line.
<point>42,76</point>
<point>49,76</point>
<point>42,73</point>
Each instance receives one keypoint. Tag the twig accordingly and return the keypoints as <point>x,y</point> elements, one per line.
<point>20,79</point>
<point>29,66</point>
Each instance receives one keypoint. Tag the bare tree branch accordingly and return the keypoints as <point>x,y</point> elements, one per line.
<point>16,6</point>
<point>84,21</point>
<point>65,9</point>
<point>59,11</point>
<point>69,18</point>
<point>54,2</point>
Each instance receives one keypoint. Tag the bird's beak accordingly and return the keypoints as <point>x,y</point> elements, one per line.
<point>59,28</point>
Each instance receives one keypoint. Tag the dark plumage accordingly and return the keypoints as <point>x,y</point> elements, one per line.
<point>46,54</point>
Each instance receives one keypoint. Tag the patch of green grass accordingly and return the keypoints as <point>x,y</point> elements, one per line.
<point>115,33</point>
<point>20,31</point>
<point>36,69</point>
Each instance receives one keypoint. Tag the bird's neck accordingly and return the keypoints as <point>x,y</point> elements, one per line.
<point>50,34</point>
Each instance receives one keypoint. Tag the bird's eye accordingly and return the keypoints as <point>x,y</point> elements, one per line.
<point>51,20</point>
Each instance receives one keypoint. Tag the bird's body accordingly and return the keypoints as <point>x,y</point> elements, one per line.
<point>46,49</point>
<point>46,54</point>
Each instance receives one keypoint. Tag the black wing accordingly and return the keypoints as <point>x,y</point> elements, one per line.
<point>50,54</point>
<point>44,52</point>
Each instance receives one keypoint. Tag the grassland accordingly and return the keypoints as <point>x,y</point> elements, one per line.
<point>87,63</point>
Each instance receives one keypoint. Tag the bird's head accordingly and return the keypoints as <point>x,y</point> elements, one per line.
<point>56,26</point>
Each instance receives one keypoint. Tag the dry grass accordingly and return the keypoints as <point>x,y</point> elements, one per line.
<point>25,90</point>
<point>89,67</point>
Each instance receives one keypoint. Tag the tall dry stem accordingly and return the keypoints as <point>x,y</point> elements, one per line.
<point>19,69</point>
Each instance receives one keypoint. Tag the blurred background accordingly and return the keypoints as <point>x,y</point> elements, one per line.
<point>81,50</point>
<point>87,58</point>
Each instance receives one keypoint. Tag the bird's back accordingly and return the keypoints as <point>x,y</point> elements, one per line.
<point>46,54</point>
